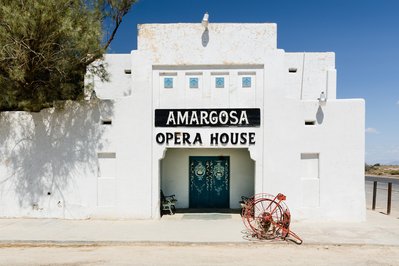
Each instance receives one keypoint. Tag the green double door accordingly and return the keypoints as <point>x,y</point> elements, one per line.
<point>209,181</point>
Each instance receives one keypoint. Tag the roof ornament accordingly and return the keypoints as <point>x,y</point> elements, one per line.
<point>322,99</point>
<point>205,20</point>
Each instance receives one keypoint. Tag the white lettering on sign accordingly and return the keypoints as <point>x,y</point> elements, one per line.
<point>203,118</point>
<point>182,117</point>
<point>243,118</point>
<point>171,119</point>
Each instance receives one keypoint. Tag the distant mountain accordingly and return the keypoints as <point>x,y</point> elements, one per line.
<point>393,163</point>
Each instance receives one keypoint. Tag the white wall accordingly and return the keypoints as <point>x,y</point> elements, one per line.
<point>207,96</point>
<point>338,138</point>
<point>222,43</point>
<point>119,83</point>
<point>311,73</point>
<point>48,162</point>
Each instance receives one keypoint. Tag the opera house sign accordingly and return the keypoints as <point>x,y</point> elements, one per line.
<point>222,118</point>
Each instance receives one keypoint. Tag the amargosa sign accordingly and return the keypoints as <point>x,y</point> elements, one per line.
<point>249,117</point>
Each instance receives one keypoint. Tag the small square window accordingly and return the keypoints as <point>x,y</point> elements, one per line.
<point>193,83</point>
<point>168,83</point>
<point>219,82</point>
<point>246,82</point>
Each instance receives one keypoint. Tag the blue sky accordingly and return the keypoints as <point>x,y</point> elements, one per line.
<point>364,34</point>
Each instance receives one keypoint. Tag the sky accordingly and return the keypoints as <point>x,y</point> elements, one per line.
<point>364,34</point>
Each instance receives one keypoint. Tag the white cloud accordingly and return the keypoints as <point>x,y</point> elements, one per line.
<point>372,130</point>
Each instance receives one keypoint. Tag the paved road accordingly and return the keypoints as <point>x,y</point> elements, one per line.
<point>248,254</point>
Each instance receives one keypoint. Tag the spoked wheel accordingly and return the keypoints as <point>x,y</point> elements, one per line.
<point>268,217</point>
<point>266,213</point>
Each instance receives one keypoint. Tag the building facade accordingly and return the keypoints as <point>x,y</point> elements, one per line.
<point>208,114</point>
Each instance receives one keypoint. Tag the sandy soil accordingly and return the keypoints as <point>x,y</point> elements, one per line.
<point>249,254</point>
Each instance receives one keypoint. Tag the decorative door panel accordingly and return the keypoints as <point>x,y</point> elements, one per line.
<point>209,181</point>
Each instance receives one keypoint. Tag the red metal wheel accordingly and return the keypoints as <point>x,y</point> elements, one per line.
<point>265,214</point>
<point>268,217</point>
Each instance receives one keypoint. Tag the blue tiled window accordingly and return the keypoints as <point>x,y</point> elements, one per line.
<point>193,83</point>
<point>246,82</point>
<point>219,82</point>
<point>168,83</point>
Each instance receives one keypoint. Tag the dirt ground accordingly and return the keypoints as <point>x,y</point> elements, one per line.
<point>382,170</point>
<point>248,254</point>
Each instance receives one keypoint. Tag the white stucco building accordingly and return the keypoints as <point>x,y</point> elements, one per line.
<point>209,114</point>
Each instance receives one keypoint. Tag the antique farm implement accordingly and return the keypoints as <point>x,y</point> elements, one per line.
<point>268,217</point>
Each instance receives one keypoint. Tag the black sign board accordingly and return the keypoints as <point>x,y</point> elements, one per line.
<point>248,117</point>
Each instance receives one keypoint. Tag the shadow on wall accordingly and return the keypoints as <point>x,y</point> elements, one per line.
<point>205,38</point>
<point>320,116</point>
<point>44,154</point>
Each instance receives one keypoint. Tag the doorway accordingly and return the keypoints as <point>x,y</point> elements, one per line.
<point>175,172</point>
<point>209,181</point>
